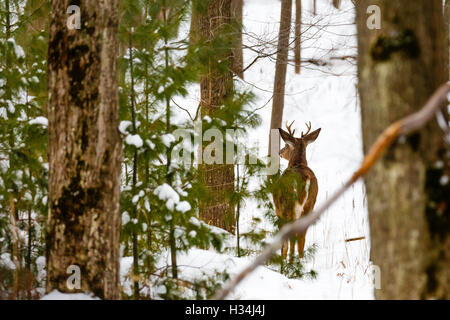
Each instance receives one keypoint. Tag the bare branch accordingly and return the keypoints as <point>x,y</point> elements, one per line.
<point>403,126</point>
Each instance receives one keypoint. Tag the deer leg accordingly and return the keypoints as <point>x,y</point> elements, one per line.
<point>301,244</point>
<point>284,250</point>
<point>292,250</point>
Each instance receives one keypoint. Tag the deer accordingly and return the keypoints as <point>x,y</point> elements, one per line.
<point>295,192</point>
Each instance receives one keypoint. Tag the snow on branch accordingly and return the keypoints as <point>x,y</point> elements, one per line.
<point>403,126</point>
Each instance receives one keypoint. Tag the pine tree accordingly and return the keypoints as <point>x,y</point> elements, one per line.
<point>23,138</point>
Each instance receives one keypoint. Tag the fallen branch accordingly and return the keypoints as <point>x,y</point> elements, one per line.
<point>401,127</point>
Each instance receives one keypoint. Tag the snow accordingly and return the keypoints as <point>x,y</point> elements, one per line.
<point>167,139</point>
<point>168,194</point>
<point>123,126</point>
<point>18,50</point>
<point>194,221</point>
<point>39,120</point>
<point>183,206</point>
<point>192,234</point>
<point>263,283</point>
<point>125,218</point>
<point>134,140</point>
<point>150,144</point>
<point>5,261</point>
<point>57,295</point>
<point>137,197</point>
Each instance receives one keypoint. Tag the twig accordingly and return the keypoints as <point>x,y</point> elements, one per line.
<point>187,111</point>
<point>403,126</point>
<point>355,239</point>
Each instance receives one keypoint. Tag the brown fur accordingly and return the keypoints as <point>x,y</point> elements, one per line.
<point>297,187</point>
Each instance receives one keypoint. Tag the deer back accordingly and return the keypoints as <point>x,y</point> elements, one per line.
<point>295,193</point>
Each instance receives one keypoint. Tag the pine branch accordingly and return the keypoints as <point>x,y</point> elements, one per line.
<point>403,126</point>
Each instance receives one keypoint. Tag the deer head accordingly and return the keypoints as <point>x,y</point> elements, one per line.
<point>295,149</point>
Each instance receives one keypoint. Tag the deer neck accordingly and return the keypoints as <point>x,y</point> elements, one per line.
<point>298,158</point>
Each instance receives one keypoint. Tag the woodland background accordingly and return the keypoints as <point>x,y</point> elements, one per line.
<point>86,135</point>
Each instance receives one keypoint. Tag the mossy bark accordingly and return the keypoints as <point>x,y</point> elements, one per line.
<point>84,149</point>
<point>399,67</point>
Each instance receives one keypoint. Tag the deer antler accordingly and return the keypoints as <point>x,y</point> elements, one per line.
<point>308,126</point>
<point>288,127</point>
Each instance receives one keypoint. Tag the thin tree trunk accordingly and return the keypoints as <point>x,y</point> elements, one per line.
<point>399,67</point>
<point>238,55</point>
<point>298,26</point>
<point>215,86</point>
<point>134,177</point>
<point>15,249</point>
<point>172,223</point>
<point>281,66</point>
<point>238,213</point>
<point>337,3</point>
<point>85,149</point>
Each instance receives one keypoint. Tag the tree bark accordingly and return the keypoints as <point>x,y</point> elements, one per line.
<point>237,7</point>
<point>85,149</point>
<point>399,67</point>
<point>281,66</point>
<point>215,86</point>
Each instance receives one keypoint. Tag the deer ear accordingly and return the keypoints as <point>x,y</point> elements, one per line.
<point>312,136</point>
<point>287,138</point>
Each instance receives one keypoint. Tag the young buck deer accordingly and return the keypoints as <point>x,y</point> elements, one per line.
<point>296,191</point>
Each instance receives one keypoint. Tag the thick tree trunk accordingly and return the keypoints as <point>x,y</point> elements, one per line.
<point>85,149</point>
<point>399,67</point>
<point>281,66</point>
<point>216,85</point>
<point>237,7</point>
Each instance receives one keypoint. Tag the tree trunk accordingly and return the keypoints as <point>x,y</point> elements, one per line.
<point>298,30</point>
<point>238,55</point>
<point>399,67</point>
<point>337,3</point>
<point>215,86</point>
<point>281,66</point>
<point>85,150</point>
